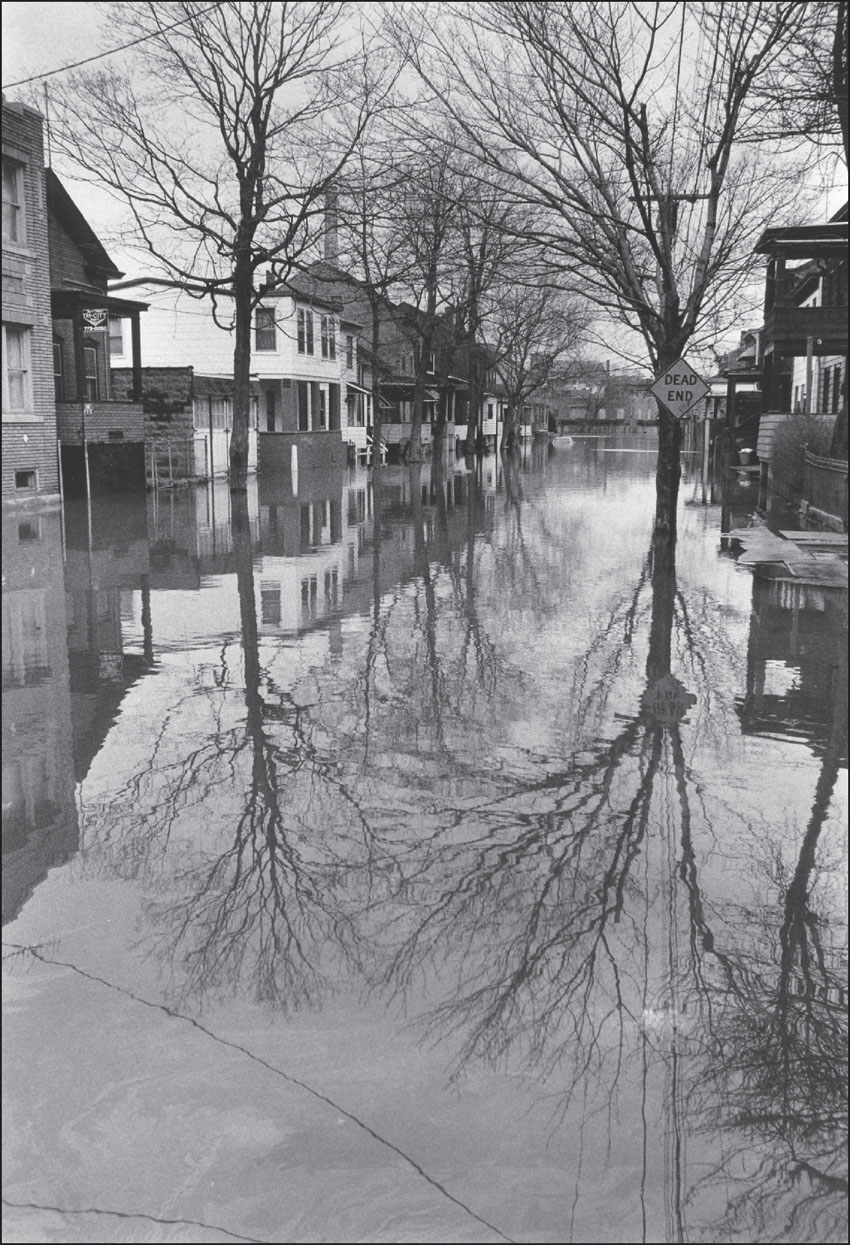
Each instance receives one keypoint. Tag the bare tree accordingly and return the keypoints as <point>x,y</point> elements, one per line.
<point>487,253</point>
<point>804,96</point>
<point>376,249</point>
<point>532,330</point>
<point>427,219</point>
<point>623,123</point>
<point>222,145</point>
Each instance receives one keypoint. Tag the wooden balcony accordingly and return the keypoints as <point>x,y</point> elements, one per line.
<point>787,330</point>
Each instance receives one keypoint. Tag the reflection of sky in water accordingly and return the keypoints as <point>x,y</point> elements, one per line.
<point>780,678</point>
<point>419,828</point>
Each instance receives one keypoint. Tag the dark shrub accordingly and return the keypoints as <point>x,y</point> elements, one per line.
<point>791,440</point>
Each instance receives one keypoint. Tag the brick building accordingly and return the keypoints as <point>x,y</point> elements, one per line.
<point>30,465</point>
<point>93,422</point>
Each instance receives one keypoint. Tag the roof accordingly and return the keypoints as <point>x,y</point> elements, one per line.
<point>806,241</point>
<point>62,206</point>
<point>63,301</point>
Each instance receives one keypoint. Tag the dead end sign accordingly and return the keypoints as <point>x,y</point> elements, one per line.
<point>679,387</point>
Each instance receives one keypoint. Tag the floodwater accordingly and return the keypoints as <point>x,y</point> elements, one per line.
<point>428,861</point>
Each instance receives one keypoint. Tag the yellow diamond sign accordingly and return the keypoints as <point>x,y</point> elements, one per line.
<point>679,387</point>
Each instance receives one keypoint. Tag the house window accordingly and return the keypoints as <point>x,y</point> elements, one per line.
<point>13,199</point>
<point>116,338</point>
<point>303,407</point>
<point>349,351</point>
<point>26,480</point>
<point>309,597</point>
<point>264,334</point>
<point>58,372</point>
<point>90,373</point>
<point>432,361</point>
<point>328,337</point>
<point>17,372</point>
<point>305,331</point>
<point>323,408</point>
<point>270,603</point>
<point>220,413</point>
<point>836,389</point>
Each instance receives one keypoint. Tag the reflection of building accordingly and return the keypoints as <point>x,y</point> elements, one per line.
<point>190,533</point>
<point>30,466</point>
<point>39,811</point>
<point>90,330</point>
<point>318,547</point>
<point>102,564</point>
<point>796,661</point>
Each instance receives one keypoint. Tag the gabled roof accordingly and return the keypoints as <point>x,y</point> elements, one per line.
<point>64,209</point>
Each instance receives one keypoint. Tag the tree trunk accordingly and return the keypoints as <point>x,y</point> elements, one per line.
<point>473,414</point>
<point>509,437</point>
<point>377,417</point>
<point>242,292</point>
<point>663,576</point>
<point>439,430</point>
<point>420,385</point>
<point>668,472</point>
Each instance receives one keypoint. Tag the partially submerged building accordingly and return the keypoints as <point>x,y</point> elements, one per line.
<point>100,427</point>
<point>30,463</point>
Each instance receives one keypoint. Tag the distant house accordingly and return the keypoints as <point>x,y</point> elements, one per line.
<point>100,430</point>
<point>401,341</point>
<point>30,464</point>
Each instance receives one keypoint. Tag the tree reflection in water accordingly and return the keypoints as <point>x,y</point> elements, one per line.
<point>268,905</point>
<point>579,915</point>
<point>563,954</point>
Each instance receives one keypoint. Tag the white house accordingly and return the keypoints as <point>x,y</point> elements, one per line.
<point>303,363</point>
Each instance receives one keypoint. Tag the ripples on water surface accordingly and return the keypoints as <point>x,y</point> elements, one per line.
<point>376,889</point>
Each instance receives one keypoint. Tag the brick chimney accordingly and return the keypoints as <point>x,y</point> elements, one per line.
<point>331,239</point>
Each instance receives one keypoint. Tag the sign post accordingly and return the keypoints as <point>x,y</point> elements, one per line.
<point>679,388</point>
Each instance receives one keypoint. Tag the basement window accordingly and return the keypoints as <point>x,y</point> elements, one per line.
<point>29,531</point>
<point>115,434</point>
<point>26,480</point>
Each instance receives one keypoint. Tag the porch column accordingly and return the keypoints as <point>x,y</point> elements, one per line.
<point>79,360</point>
<point>136,336</point>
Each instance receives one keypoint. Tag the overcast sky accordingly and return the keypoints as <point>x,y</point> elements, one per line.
<point>40,37</point>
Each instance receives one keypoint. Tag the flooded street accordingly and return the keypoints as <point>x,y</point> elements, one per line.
<point>422,858</point>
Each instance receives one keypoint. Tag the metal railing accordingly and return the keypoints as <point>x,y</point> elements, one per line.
<point>170,461</point>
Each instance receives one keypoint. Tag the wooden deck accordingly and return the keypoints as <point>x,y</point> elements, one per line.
<point>807,557</point>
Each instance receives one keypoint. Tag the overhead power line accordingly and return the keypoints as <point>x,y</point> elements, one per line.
<point>111,52</point>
